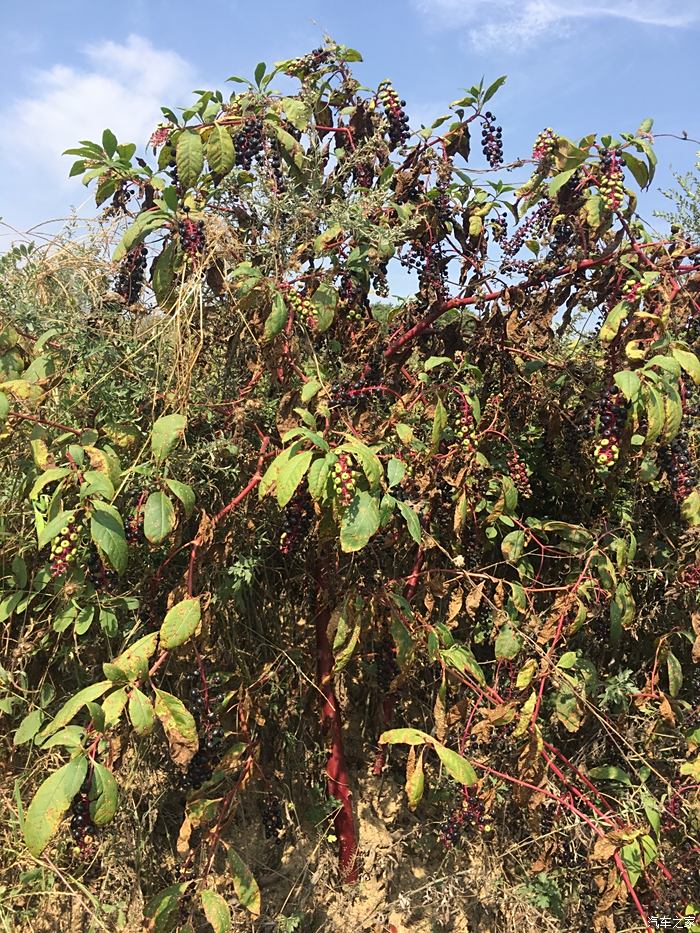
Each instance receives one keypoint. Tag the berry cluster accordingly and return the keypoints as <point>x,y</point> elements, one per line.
<point>354,298</point>
<point>273,823</point>
<point>297,522</point>
<point>545,145</point>
<point>274,162</point>
<point>364,174</point>
<point>380,282</point>
<point>396,115</point>
<point>430,264</point>
<point>466,430</point>
<point>159,135</point>
<point>81,826</point>
<point>611,180</point>
<point>64,547</point>
<point>305,65</point>
<point>385,661</point>
<point>131,274</point>
<point>676,461</point>
<point>467,818</point>
<point>613,417</point>
<point>301,306</point>
<point>248,142</point>
<point>101,577</point>
<point>344,480</point>
<point>191,236</point>
<point>518,473</point>
<point>534,226</point>
<point>491,140</point>
<point>202,698</point>
<point>353,392</point>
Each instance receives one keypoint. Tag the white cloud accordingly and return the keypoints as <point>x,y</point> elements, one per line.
<point>120,86</point>
<point>516,23</point>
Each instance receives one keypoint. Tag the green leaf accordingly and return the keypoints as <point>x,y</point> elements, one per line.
<point>404,737</point>
<point>189,156</point>
<point>310,390</point>
<point>180,623</point>
<point>395,472</point>
<point>158,517</point>
<point>132,664</point>
<point>612,322</point>
<point>259,72</point>
<point>113,707</point>
<point>460,658</point>
<point>277,317</point>
<point>163,909</point>
<point>359,523</point>
<point>675,674</point>
<point>48,476</point>
<point>220,151</point>
<point>163,275</point>
<point>415,782</point>
<point>560,180</point>
<point>325,301</point>
<point>28,728</point>
<point>52,528</point>
<point>317,479</point>
<point>690,508</point>
<point>103,795</point>
<point>145,223</point>
<point>689,362</point>
<point>507,644</point>
<point>629,384</point>
<point>73,706</point>
<point>371,464</point>
<point>51,803</point>
<point>656,413</point>
<point>96,483</point>
<point>179,726</point>
<point>638,169</point>
<point>70,737</point>
<point>107,531</point>
<point>291,474</point>
<point>439,424</point>
<point>610,773</point>
<point>184,493</point>
<point>109,142</point>
<point>244,884</point>
<point>216,910</point>
<point>456,766</point>
<point>298,113</point>
<point>141,713</point>
<point>4,407</point>
<point>492,88</point>
<point>513,545</point>
<point>412,520</point>
<point>167,431</point>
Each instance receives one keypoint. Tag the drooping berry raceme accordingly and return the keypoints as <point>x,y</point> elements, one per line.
<point>544,146</point>
<point>676,461</point>
<point>192,236</point>
<point>133,526</point>
<point>203,696</point>
<point>300,305</point>
<point>395,114</point>
<point>248,141</point>
<point>353,298</point>
<point>611,179</point>
<point>467,819</point>
<point>129,281</point>
<point>518,473</point>
<point>466,426</point>
<point>344,480</point>
<point>82,828</point>
<point>492,140</point>
<point>273,822</point>
<point>612,419</point>
<point>297,522</point>
<point>64,547</point>
<point>306,65</point>
<point>101,577</point>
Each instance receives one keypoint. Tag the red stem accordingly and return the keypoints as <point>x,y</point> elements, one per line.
<point>338,782</point>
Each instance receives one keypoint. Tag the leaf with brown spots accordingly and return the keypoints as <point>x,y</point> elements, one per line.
<point>179,726</point>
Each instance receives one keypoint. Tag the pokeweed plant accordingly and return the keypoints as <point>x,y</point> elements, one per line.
<point>491,476</point>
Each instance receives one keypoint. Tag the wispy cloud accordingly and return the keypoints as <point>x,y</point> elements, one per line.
<point>518,23</point>
<point>117,85</point>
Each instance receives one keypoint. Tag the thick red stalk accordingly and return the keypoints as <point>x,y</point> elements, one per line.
<point>338,782</point>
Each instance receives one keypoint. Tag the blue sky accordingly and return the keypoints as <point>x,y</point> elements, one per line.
<point>69,70</point>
